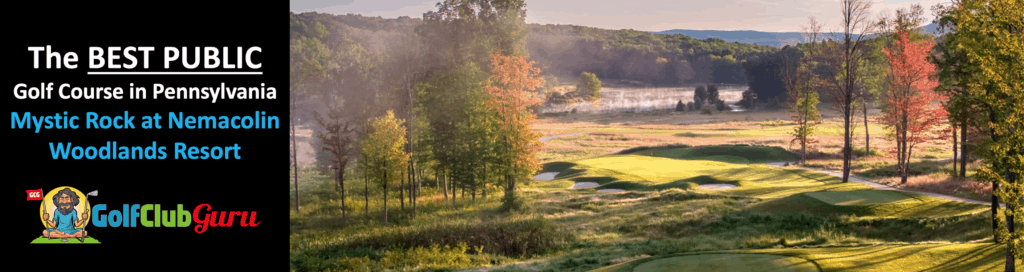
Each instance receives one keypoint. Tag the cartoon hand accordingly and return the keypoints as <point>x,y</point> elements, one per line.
<point>85,214</point>
<point>46,216</point>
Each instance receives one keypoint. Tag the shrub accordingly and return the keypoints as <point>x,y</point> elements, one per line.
<point>680,106</point>
<point>690,106</point>
<point>720,106</point>
<point>774,104</point>
<point>859,152</point>
<point>749,100</point>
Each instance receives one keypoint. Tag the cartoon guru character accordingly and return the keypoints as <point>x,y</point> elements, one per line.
<point>65,222</point>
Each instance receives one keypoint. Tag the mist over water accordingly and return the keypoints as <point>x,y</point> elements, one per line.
<point>638,99</point>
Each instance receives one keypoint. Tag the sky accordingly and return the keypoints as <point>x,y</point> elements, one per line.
<point>645,15</point>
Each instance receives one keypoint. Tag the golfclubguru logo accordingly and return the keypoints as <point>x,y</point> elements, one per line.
<point>65,212</point>
<point>151,215</point>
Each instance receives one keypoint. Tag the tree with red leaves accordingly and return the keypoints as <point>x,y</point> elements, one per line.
<point>912,111</point>
<point>512,81</point>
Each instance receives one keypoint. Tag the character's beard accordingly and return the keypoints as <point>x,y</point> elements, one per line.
<point>62,210</point>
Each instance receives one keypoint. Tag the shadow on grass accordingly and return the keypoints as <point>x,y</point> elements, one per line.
<point>599,180</point>
<point>992,251</point>
<point>695,135</point>
<point>689,183</point>
<point>556,166</point>
<point>570,172</point>
<point>651,148</point>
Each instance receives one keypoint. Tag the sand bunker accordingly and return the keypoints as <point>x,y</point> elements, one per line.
<point>584,185</point>
<point>610,190</point>
<point>545,176</point>
<point>716,186</point>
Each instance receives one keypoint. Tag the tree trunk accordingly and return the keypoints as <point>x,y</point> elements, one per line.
<point>341,184</point>
<point>366,193</point>
<point>906,150</point>
<point>385,198</point>
<point>295,156</point>
<point>443,178</point>
<point>847,149</point>
<point>867,134</point>
<point>1010,178</point>
<point>452,186</point>
<point>414,192</point>
<point>401,194</point>
<point>995,185</point>
<point>954,150</point>
<point>963,150</point>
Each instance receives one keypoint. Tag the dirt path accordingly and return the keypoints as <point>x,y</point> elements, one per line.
<point>880,186</point>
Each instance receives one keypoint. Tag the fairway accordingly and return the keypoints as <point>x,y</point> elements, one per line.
<point>861,197</point>
<point>43,240</point>
<point>728,262</point>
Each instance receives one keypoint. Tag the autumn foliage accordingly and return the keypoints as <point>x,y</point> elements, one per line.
<point>912,111</point>
<point>510,87</point>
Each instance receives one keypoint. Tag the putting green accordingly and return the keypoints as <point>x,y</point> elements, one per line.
<point>740,154</point>
<point>860,197</point>
<point>43,240</point>
<point>728,262</point>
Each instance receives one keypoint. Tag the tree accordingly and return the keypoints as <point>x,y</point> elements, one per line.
<point>803,98</point>
<point>383,150</point>
<point>309,64</point>
<point>910,109</point>
<point>839,67</point>
<point>700,96</point>
<point>339,140</point>
<point>453,104</point>
<point>712,97</point>
<point>876,78</point>
<point>680,106</point>
<point>589,87</point>
<point>511,80</point>
<point>953,65</point>
<point>749,100</point>
<point>990,34</point>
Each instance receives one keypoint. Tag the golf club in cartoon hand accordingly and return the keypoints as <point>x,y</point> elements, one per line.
<point>66,221</point>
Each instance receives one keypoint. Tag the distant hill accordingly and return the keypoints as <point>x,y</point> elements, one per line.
<point>742,36</point>
<point>777,39</point>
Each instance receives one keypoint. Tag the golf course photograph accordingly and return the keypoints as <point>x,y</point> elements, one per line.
<point>807,135</point>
